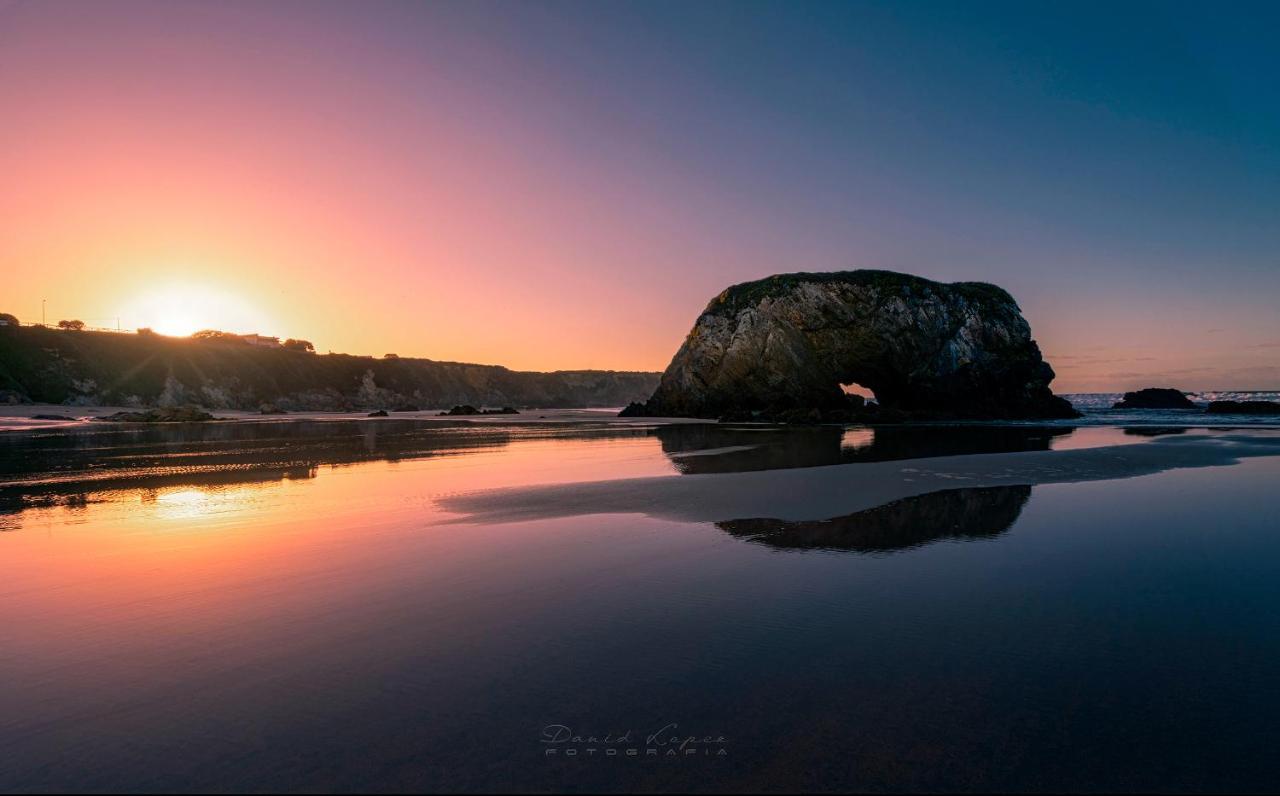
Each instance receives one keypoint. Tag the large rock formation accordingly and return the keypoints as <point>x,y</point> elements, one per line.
<point>787,343</point>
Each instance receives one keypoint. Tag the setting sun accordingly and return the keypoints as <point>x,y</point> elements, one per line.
<point>179,310</point>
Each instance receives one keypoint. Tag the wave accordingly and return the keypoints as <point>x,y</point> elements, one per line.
<point>1097,410</point>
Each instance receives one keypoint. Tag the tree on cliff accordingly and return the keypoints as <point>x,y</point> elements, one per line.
<point>72,326</point>
<point>299,345</point>
<point>215,336</point>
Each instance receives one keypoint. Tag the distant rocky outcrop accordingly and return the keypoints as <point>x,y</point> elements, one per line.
<point>782,347</point>
<point>1155,398</point>
<point>1244,408</point>
<point>471,410</point>
<point>175,414</point>
<point>461,410</point>
<point>150,370</point>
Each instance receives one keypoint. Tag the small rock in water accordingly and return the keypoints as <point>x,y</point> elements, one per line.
<point>378,413</point>
<point>462,409</point>
<point>635,409</point>
<point>1155,398</point>
<point>176,414</point>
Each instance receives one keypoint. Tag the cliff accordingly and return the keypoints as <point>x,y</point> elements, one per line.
<point>70,367</point>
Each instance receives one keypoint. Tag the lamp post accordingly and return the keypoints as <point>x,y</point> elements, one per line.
<point>42,319</point>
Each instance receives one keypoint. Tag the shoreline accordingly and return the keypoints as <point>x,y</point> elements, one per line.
<point>22,417</point>
<point>831,491</point>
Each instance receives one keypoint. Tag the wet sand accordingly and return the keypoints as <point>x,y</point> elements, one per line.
<point>22,417</point>
<point>821,492</point>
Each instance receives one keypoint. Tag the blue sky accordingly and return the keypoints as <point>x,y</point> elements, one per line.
<point>1115,166</point>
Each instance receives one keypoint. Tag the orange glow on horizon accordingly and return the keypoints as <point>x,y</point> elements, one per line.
<point>179,310</point>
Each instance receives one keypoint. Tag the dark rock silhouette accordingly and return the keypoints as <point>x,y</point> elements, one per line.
<point>977,513</point>
<point>1153,431</point>
<point>1155,398</point>
<point>1244,408</point>
<point>465,409</point>
<point>781,347</point>
<point>175,414</point>
<point>378,413</point>
<point>224,372</point>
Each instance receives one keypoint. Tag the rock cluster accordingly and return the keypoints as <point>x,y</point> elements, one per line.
<point>467,409</point>
<point>173,414</point>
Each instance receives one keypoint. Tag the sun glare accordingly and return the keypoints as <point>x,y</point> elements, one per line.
<point>181,309</point>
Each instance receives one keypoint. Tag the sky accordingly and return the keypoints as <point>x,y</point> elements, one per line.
<point>565,185</point>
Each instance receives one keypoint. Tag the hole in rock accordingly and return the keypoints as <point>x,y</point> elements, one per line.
<point>857,389</point>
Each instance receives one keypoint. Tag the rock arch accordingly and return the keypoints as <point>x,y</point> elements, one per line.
<point>926,348</point>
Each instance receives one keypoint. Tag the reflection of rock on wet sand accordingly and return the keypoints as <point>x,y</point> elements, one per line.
<point>776,448</point>
<point>952,514</point>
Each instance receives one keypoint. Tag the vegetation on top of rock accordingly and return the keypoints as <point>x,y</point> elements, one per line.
<point>216,336</point>
<point>73,326</point>
<point>747,294</point>
<point>109,369</point>
<point>1155,398</point>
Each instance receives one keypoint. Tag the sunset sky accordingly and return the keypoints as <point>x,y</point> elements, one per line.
<point>565,185</point>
